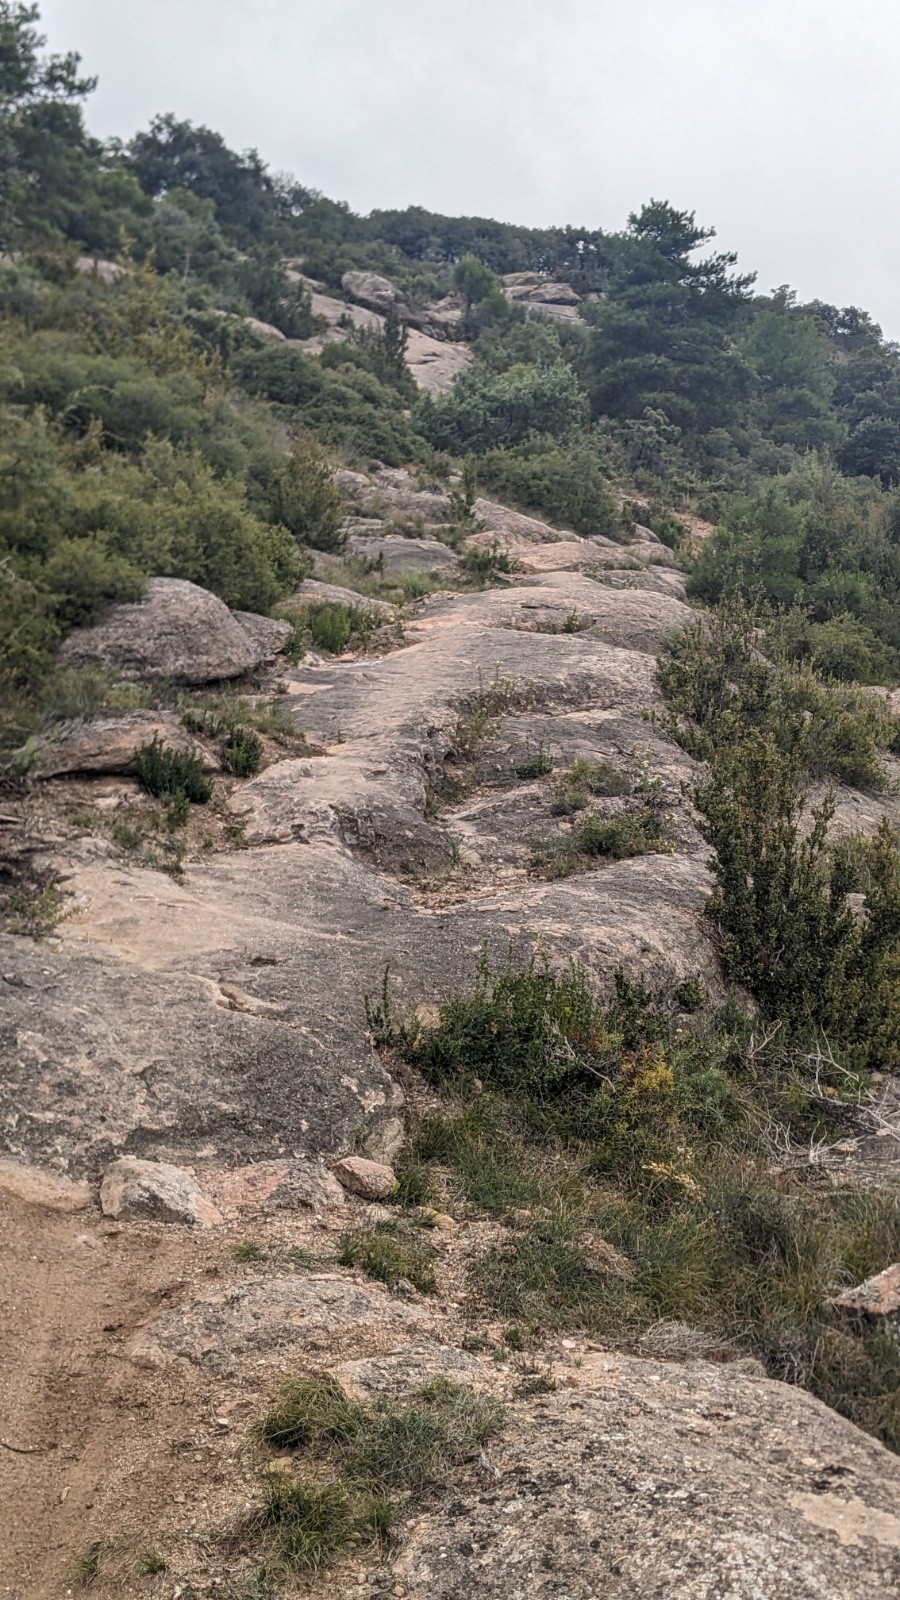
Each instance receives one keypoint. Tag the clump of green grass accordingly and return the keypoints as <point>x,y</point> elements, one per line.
<point>309,1525</point>
<point>415,1184</point>
<point>631,833</point>
<point>241,752</point>
<point>151,1564</point>
<point>365,1454</point>
<point>584,779</point>
<point>309,1411</point>
<point>544,1277</point>
<point>165,772</point>
<point>388,1257</point>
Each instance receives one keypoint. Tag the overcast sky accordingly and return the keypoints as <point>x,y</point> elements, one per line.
<point>777,121</point>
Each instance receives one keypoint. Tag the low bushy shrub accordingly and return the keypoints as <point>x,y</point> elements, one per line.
<point>241,751</point>
<point>165,772</point>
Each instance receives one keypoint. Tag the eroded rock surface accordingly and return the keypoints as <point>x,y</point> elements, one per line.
<point>645,1481</point>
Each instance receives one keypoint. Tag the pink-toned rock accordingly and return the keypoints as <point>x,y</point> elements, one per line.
<point>369,1179</point>
<point>877,1298</point>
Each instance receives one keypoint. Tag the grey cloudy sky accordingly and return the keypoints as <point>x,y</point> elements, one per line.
<point>776,120</point>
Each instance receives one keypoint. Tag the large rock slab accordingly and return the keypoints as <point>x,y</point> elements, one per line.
<point>111,744</point>
<point>435,363</point>
<point>269,1318</point>
<point>177,633</point>
<point>648,1481</point>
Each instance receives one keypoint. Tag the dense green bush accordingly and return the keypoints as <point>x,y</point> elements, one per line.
<point>486,410</point>
<point>241,752</point>
<point>562,483</point>
<point>165,772</point>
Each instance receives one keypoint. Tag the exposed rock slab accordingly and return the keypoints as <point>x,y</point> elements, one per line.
<point>272,1317</point>
<point>436,363</point>
<point>37,1187</point>
<point>876,1300</point>
<point>651,1481</point>
<point>111,744</point>
<point>313,592</point>
<point>177,633</point>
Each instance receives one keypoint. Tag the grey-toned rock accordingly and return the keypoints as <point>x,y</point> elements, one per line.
<point>107,271</point>
<point>371,1180</point>
<point>435,363</point>
<point>371,290</point>
<point>111,744</point>
<point>534,287</point>
<point>177,633</point>
<point>157,1192</point>
<point>272,1317</point>
<point>399,555</point>
<point>268,635</point>
<point>313,592</point>
<point>303,1184</point>
<point>397,1375</point>
<point>647,1481</point>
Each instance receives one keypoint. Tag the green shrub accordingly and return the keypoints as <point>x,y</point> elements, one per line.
<point>486,409</point>
<point>482,565</point>
<point>562,483</point>
<point>302,497</point>
<point>586,778</point>
<point>634,833</point>
<point>165,772</point>
<point>241,751</point>
<point>383,1254</point>
<point>537,763</point>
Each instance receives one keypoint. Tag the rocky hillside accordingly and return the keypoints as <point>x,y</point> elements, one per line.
<point>198,1124</point>
<point>449,896</point>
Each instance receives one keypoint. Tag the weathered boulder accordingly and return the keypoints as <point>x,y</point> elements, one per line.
<point>107,271</point>
<point>399,555</point>
<point>178,633</point>
<point>435,363</point>
<point>154,1191</point>
<point>111,744</point>
<point>537,289</point>
<point>370,289</point>
<point>371,1180</point>
<point>648,1480</point>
